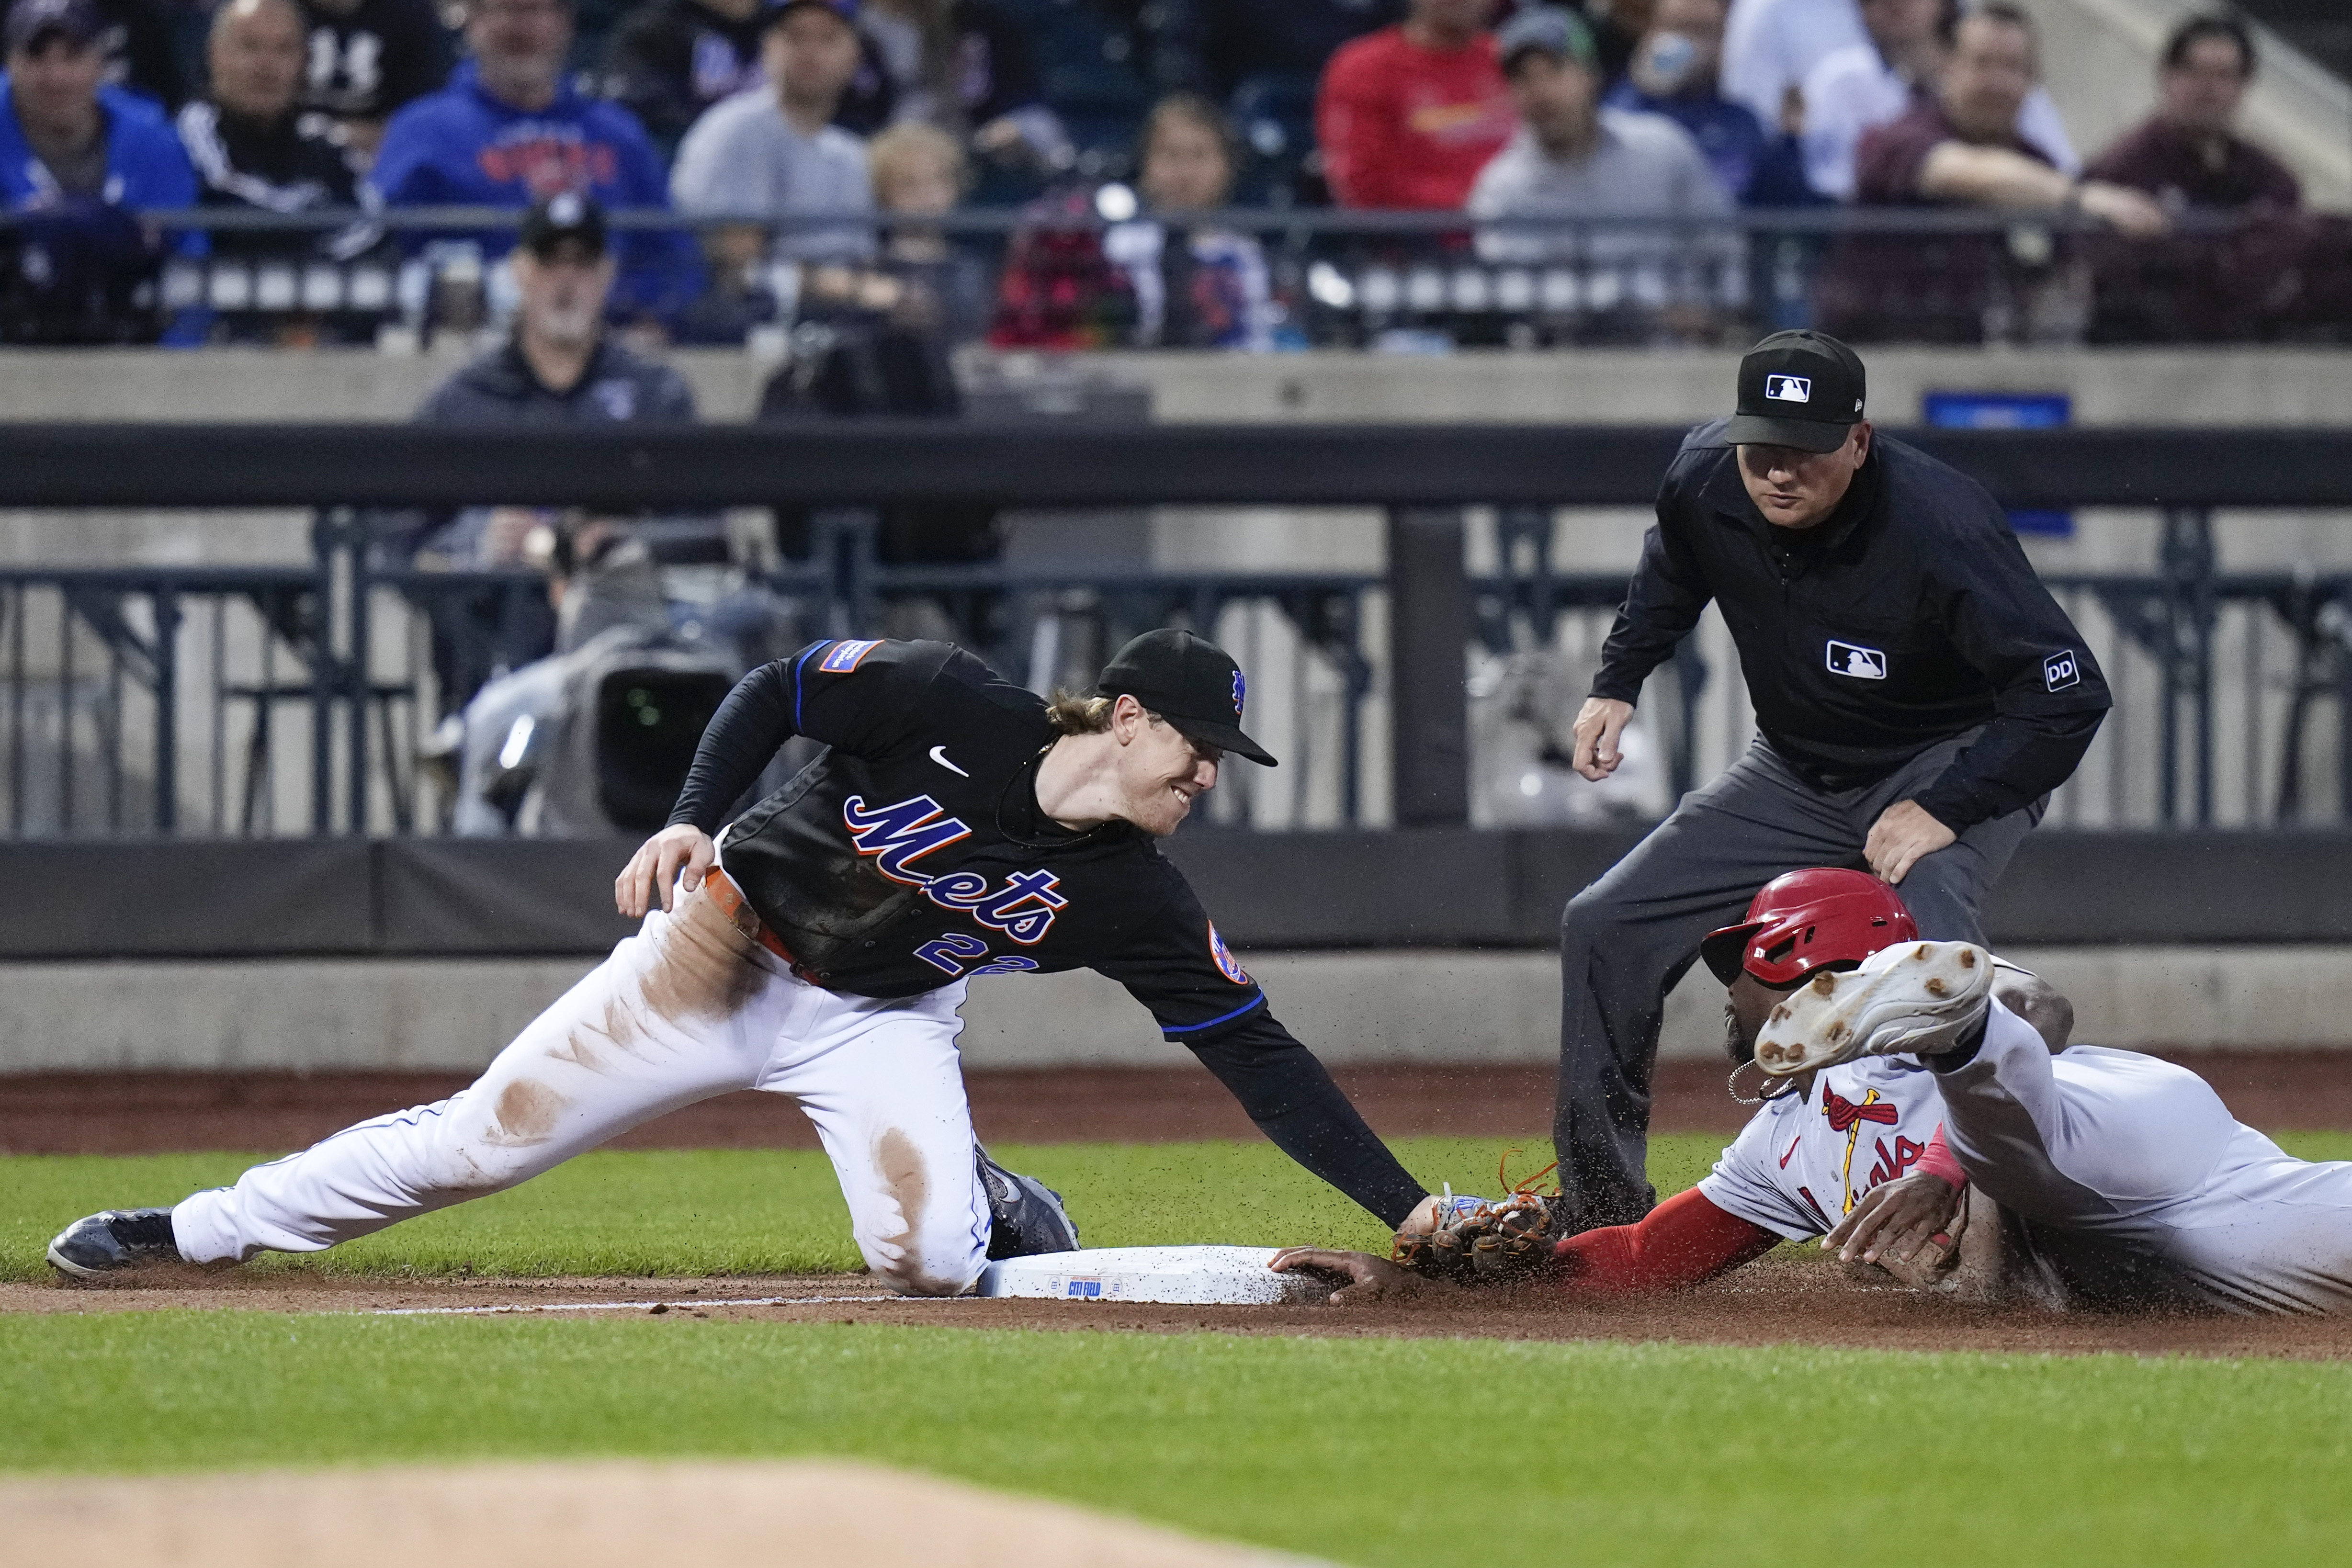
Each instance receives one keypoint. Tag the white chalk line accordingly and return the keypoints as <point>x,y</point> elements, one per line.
<point>686,1306</point>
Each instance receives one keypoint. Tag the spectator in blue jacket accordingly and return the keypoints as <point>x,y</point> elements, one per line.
<point>1675,71</point>
<point>510,129</point>
<point>79,159</point>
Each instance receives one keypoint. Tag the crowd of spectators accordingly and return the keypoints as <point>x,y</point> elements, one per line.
<point>1610,145</point>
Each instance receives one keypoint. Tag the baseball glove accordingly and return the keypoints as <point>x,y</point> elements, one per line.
<point>1479,1239</point>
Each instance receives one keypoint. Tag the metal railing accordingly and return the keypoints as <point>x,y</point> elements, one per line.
<point>1394,279</point>
<point>298,699</point>
<point>228,701</point>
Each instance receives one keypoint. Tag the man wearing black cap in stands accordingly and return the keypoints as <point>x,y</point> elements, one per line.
<point>954,828</point>
<point>1918,694</point>
<point>563,365</point>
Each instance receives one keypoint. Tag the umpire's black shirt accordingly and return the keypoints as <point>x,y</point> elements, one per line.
<point>1908,616</point>
<point>913,855</point>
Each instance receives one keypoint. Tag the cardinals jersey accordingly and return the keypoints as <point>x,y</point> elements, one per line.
<point>1804,1160</point>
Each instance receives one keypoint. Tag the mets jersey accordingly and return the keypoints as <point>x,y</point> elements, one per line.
<point>913,855</point>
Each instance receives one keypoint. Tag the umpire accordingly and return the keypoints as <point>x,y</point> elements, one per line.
<point>1917,693</point>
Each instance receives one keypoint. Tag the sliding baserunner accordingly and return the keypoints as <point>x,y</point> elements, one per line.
<point>957,827</point>
<point>1909,1071</point>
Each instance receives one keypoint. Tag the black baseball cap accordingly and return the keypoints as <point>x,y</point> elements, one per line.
<point>775,11</point>
<point>565,215</point>
<point>1798,388</point>
<point>1546,29</point>
<point>30,21</point>
<point>1190,682</point>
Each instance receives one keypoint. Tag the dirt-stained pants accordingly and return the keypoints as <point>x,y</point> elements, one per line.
<point>686,1009</point>
<point>2131,1184</point>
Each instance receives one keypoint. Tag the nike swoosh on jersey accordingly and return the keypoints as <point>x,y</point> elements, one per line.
<point>939,755</point>
<point>1792,1149</point>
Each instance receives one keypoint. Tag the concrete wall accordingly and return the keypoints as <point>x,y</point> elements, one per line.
<point>1349,1007</point>
<point>2292,387</point>
<point>2109,386</point>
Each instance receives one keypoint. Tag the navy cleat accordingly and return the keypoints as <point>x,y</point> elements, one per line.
<point>1025,1215</point>
<point>113,1241</point>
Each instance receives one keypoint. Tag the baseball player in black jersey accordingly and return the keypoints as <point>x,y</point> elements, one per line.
<point>957,827</point>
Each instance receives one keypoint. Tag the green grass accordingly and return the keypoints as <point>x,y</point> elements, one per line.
<point>737,1211</point>
<point>717,1211</point>
<point>1368,1451</point>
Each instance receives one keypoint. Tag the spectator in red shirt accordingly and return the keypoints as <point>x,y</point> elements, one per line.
<point>1408,116</point>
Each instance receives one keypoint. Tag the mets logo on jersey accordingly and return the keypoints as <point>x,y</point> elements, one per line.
<point>902,833</point>
<point>1222,957</point>
<point>1241,691</point>
<point>844,657</point>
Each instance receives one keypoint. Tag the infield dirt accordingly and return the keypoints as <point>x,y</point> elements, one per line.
<point>1783,1300</point>
<point>614,1514</point>
<point>158,1112</point>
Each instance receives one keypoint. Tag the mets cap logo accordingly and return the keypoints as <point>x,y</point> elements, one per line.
<point>1789,389</point>
<point>1241,691</point>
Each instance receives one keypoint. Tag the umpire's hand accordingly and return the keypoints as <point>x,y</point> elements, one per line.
<point>654,869</point>
<point>1598,722</point>
<point>1903,836</point>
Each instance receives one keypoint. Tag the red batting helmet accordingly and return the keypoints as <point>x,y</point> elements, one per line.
<point>1806,919</point>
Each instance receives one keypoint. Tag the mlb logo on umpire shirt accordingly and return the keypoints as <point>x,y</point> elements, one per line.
<point>2060,671</point>
<point>1852,659</point>
<point>1789,389</point>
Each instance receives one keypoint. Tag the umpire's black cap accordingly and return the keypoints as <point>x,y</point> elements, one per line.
<point>1798,388</point>
<point>1190,682</point>
<point>565,215</point>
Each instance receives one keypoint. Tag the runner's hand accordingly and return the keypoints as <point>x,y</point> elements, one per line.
<point>1895,1220</point>
<point>1368,1278</point>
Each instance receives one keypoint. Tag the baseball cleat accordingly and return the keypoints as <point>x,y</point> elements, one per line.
<point>114,1240</point>
<point>1025,1215</point>
<point>1913,998</point>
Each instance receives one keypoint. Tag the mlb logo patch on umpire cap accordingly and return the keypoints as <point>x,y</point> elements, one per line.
<point>1789,389</point>
<point>2060,670</point>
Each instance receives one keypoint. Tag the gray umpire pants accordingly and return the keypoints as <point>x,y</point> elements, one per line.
<point>1629,938</point>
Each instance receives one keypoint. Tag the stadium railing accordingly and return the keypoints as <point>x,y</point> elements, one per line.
<point>160,700</point>
<point>1405,280</point>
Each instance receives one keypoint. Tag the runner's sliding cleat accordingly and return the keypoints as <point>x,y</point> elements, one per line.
<point>1913,998</point>
<point>114,1241</point>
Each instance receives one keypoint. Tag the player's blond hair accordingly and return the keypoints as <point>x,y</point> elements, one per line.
<point>1071,714</point>
<point>909,142</point>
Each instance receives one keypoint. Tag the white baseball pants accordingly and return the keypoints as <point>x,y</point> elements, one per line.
<point>688,1009</point>
<point>2132,1181</point>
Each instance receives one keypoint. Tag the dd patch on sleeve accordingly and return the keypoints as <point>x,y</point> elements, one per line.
<point>2060,670</point>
